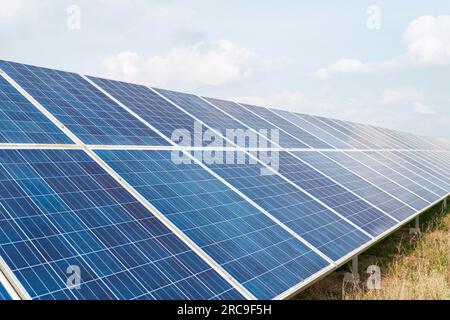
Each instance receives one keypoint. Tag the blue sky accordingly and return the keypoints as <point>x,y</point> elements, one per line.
<point>383,62</point>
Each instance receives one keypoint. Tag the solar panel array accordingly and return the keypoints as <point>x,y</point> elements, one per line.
<point>99,184</point>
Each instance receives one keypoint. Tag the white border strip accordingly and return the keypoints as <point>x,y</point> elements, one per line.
<point>11,283</point>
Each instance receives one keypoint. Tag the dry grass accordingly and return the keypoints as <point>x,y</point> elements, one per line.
<point>413,268</point>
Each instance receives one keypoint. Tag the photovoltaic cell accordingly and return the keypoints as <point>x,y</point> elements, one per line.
<point>316,131</point>
<point>332,131</point>
<point>391,170</point>
<point>415,142</point>
<point>256,123</point>
<point>157,111</point>
<point>255,250</point>
<point>318,225</point>
<point>350,132</point>
<point>361,187</point>
<point>404,167</point>
<point>376,138</point>
<point>212,117</point>
<point>431,171</point>
<point>22,122</point>
<point>333,195</point>
<point>83,109</point>
<point>60,209</point>
<point>288,127</point>
<point>349,161</point>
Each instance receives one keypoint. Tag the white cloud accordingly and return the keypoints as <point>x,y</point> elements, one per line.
<point>427,41</point>
<point>421,108</point>
<point>406,94</point>
<point>204,63</point>
<point>124,64</point>
<point>411,96</point>
<point>9,9</point>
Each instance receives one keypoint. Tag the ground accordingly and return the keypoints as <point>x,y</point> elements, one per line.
<point>412,267</point>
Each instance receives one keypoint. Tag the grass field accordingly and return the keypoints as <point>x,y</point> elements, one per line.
<point>412,267</point>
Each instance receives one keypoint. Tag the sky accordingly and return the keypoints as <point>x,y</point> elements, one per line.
<point>378,62</point>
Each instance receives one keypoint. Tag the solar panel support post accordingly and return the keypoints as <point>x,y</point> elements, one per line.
<point>416,230</point>
<point>355,268</point>
<point>445,204</point>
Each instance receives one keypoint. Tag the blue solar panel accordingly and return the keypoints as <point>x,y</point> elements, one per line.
<point>361,187</point>
<point>288,127</point>
<point>83,109</point>
<point>374,136</point>
<point>259,253</point>
<point>318,225</point>
<point>350,206</point>
<point>403,167</point>
<point>157,111</point>
<point>22,122</point>
<point>378,179</point>
<point>428,170</point>
<point>213,118</point>
<point>438,157</point>
<point>389,169</point>
<point>253,121</point>
<point>350,132</point>
<point>60,208</point>
<point>4,295</point>
<point>314,130</point>
<point>329,128</point>
<point>413,141</point>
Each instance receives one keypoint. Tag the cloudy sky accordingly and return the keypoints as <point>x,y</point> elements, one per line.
<point>380,62</point>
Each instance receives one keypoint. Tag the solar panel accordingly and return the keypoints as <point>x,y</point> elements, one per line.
<point>349,132</point>
<point>95,192</point>
<point>411,172</point>
<point>373,160</point>
<point>254,249</point>
<point>314,130</point>
<point>374,195</point>
<point>350,161</point>
<point>60,208</point>
<point>329,128</point>
<point>154,109</point>
<point>213,118</point>
<point>335,196</point>
<point>326,230</point>
<point>21,122</point>
<point>288,127</point>
<point>429,171</point>
<point>376,137</point>
<point>88,113</point>
<point>256,123</point>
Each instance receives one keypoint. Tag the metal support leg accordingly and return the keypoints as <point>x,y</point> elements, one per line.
<point>355,268</point>
<point>415,231</point>
<point>445,204</point>
<point>351,279</point>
